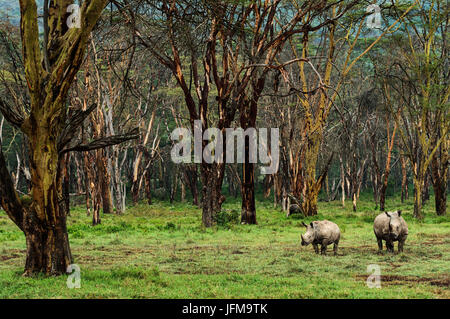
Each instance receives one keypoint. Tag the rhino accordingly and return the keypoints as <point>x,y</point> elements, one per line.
<point>294,209</point>
<point>391,227</point>
<point>321,232</point>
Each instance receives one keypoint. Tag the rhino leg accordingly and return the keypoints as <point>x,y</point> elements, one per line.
<point>323,249</point>
<point>400,245</point>
<point>316,248</point>
<point>335,247</point>
<point>390,246</point>
<point>380,244</point>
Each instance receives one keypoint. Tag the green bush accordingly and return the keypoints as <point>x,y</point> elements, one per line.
<point>226,218</point>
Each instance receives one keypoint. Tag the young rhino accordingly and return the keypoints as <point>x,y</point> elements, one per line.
<point>390,226</point>
<point>321,232</point>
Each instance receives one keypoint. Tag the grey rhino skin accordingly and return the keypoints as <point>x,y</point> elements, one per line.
<point>294,209</point>
<point>391,227</point>
<point>321,232</point>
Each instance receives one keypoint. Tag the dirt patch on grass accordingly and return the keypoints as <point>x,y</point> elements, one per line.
<point>434,242</point>
<point>400,280</point>
<point>431,235</point>
<point>5,258</point>
<point>12,253</point>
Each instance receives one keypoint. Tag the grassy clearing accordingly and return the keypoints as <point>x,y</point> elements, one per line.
<point>161,251</point>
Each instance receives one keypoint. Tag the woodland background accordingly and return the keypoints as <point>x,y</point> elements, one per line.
<point>363,116</point>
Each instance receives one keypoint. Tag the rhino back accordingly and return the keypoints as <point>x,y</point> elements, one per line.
<point>381,225</point>
<point>329,231</point>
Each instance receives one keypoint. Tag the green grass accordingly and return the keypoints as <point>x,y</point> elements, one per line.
<point>161,251</point>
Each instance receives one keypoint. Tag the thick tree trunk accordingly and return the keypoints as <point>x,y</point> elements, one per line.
<point>309,203</point>
<point>248,212</point>
<point>313,186</point>
<point>48,249</point>
<point>440,174</point>
<point>212,198</point>
<point>383,195</point>
<point>105,181</point>
<point>440,197</point>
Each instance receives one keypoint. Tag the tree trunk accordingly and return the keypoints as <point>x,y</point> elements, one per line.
<point>440,197</point>
<point>375,188</point>
<point>212,199</point>
<point>313,186</point>
<point>248,212</point>
<point>48,249</point>
<point>268,180</point>
<point>191,178</point>
<point>387,168</point>
<point>418,182</point>
<point>105,181</point>
<point>119,196</point>
<point>66,184</point>
<point>426,188</point>
<point>404,179</point>
<point>354,202</point>
<point>148,185</point>
<point>248,209</point>
<point>309,203</point>
<point>440,174</point>
<point>342,181</point>
<point>383,195</point>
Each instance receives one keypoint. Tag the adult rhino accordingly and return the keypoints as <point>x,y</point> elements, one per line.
<point>390,227</point>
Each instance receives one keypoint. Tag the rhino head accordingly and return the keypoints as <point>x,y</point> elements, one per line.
<point>395,224</point>
<point>308,237</point>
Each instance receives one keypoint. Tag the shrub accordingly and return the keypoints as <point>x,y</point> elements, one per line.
<point>226,218</point>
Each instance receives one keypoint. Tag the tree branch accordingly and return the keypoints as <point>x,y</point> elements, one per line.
<point>30,42</point>
<point>12,115</point>
<point>104,142</point>
<point>9,198</point>
<point>72,125</point>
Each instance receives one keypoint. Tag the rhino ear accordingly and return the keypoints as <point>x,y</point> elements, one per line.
<point>303,223</point>
<point>387,214</point>
<point>399,213</point>
<point>311,224</point>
